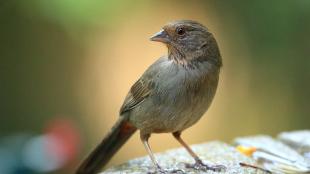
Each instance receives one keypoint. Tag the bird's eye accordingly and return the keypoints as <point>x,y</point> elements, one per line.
<point>180,31</point>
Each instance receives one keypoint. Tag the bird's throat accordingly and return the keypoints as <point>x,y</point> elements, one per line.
<point>177,56</point>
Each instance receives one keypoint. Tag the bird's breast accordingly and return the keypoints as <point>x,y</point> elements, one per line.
<point>184,95</point>
<point>180,84</point>
<point>180,96</point>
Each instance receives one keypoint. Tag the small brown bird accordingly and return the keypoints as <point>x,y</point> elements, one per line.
<point>171,95</point>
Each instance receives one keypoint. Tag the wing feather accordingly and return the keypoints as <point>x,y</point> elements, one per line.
<point>138,92</point>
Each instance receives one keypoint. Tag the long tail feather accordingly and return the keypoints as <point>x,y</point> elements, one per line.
<point>119,134</point>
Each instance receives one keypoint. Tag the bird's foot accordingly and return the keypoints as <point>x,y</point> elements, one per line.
<point>199,165</point>
<point>167,171</point>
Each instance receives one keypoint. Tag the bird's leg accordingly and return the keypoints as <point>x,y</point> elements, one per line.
<point>144,139</point>
<point>199,165</point>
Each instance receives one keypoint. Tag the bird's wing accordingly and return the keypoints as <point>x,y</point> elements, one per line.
<point>138,92</point>
<point>144,86</point>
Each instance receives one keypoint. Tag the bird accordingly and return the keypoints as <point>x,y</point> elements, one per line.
<point>171,95</point>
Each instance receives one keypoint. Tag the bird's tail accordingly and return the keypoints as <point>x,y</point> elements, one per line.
<point>119,134</point>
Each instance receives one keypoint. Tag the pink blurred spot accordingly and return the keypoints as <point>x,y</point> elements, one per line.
<point>64,139</point>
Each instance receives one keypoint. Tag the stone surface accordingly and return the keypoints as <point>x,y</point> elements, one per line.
<point>298,140</point>
<point>210,153</point>
<point>274,155</point>
<point>289,153</point>
<point>269,145</point>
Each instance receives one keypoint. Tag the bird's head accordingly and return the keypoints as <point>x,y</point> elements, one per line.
<point>188,40</point>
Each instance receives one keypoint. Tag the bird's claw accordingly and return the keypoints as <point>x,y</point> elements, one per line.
<point>199,165</point>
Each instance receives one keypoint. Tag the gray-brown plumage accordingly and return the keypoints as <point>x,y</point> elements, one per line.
<point>171,95</point>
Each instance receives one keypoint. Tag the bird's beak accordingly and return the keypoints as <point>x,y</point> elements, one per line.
<point>161,36</point>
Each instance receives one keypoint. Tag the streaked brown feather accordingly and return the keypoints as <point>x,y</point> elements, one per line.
<point>138,92</point>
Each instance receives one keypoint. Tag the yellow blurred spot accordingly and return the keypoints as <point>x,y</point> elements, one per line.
<point>248,151</point>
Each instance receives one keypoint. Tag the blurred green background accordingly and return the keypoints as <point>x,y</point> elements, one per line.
<point>75,60</point>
